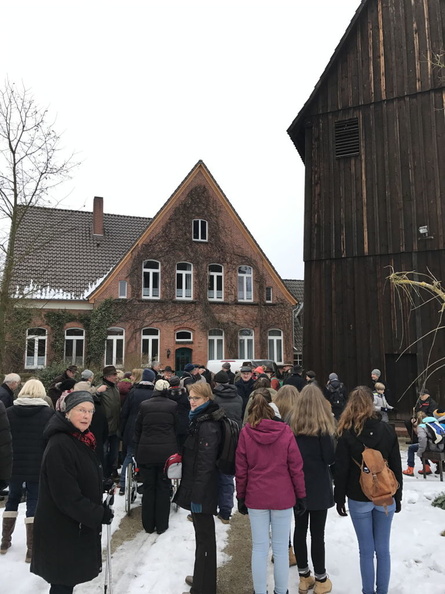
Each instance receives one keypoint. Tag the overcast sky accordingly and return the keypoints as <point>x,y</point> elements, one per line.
<point>143,89</point>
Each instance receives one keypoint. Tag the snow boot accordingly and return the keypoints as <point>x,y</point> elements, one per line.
<point>427,470</point>
<point>292,558</point>
<point>306,584</point>
<point>323,587</point>
<point>29,523</point>
<point>9,520</point>
<point>409,471</point>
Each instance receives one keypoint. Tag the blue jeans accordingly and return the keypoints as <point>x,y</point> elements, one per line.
<point>260,522</point>
<point>15,496</point>
<point>125,463</point>
<point>373,528</point>
<point>226,489</point>
<point>411,451</point>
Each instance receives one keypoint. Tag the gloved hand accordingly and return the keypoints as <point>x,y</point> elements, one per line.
<point>384,409</point>
<point>108,485</point>
<point>398,506</point>
<point>300,507</point>
<point>242,507</point>
<point>108,514</point>
<point>196,508</point>
<point>341,509</point>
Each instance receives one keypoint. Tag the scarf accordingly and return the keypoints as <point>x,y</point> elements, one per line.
<point>195,413</point>
<point>87,437</point>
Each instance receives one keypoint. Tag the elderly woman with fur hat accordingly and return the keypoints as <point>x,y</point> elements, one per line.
<point>69,514</point>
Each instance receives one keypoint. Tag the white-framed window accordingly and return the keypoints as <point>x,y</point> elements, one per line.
<point>199,230</point>
<point>268,294</point>
<point>184,280</point>
<point>183,336</point>
<point>245,344</point>
<point>216,344</point>
<point>150,345</point>
<point>74,346</point>
<point>151,279</point>
<point>275,345</point>
<point>35,348</point>
<point>122,289</point>
<point>215,290</point>
<point>245,283</point>
<point>114,347</point>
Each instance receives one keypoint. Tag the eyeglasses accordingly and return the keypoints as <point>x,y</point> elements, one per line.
<point>84,411</point>
<point>195,398</point>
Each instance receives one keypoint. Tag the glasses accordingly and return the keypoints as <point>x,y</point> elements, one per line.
<point>195,398</point>
<point>84,411</point>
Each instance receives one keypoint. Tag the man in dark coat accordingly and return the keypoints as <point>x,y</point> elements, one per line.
<point>227,368</point>
<point>5,448</point>
<point>376,376</point>
<point>54,391</point>
<point>111,401</point>
<point>426,404</point>
<point>335,392</point>
<point>245,384</point>
<point>295,378</point>
<point>10,383</point>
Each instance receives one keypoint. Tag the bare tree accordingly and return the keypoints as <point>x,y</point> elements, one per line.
<point>31,165</point>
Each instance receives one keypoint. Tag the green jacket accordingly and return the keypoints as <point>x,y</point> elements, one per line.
<point>111,402</point>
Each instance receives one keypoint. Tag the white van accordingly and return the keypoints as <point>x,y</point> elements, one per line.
<point>214,365</point>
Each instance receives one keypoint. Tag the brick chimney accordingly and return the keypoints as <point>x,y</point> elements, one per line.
<point>98,216</point>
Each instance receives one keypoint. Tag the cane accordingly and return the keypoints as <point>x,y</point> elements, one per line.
<point>107,582</point>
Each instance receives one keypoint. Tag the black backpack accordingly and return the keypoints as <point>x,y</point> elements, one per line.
<point>230,434</point>
<point>337,396</point>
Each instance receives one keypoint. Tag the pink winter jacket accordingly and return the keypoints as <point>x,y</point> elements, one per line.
<point>269,467</point>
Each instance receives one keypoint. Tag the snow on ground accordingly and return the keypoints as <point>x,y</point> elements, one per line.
<point>152,564</point>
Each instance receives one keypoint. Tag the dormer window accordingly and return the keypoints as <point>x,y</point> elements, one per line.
<point>199,230</point>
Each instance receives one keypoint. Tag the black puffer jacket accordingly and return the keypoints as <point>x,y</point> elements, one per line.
<point>377,435</point>
<point>318,455</point>
<point>27,424</point>
<point>180,396</point>
<point>199,483</point>
<point>5,446</point>
<point>139,393</point>
<point>227,397</point>
<point>155,430</point>
<point>67,525</point>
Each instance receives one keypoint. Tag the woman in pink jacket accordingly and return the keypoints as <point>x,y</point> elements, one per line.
<point>269,483</point>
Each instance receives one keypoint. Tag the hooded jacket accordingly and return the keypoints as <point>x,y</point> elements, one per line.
<point>227,397</point>
<point>269,467</point>
<point>422,435</point>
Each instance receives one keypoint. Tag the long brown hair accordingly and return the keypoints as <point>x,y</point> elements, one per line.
<point>259,410</point>
<point>358,409</point>
<point>311,413</point>
<point>285,400</point>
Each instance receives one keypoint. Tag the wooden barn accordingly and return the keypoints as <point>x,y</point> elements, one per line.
<point>372,138</point>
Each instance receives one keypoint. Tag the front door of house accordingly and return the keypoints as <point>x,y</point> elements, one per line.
<point>182,357</point>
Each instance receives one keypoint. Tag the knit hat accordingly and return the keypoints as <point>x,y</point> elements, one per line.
<point>376,372</point>
<point>333,376</point>
<point>76,398</point>
<point>67,384</point>
<point>174,381</point>
<point>226,365</point>
<point>162,385</point>
<point>221,378</point>
<point>189,367</point>
<point>86,374</point>
<point>148,375</point>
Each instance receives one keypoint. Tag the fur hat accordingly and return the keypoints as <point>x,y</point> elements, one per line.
<point>75,398</point>
<point>148,375</point>
<point>221,377</point>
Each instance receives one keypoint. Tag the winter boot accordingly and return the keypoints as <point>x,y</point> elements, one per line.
<point>306,584</point>
<point>427,470</point>
<point>29,523</point>
<point>9,519</point>
<point>409,471</point>
<point>323,587</point>
<point>292,558</point>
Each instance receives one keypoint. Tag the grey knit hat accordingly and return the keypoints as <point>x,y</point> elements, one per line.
<point>75,398</point>
<point>333,376</point>
<point>376,372</point>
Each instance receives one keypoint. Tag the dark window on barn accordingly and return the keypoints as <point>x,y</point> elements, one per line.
<point>347,140</point>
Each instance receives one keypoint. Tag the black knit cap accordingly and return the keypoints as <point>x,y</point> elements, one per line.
<point>221,378</point>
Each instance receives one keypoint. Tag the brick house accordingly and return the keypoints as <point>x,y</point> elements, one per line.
<point>190,284</point>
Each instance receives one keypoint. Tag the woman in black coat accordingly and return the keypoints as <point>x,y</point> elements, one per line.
<point>198,490</point>
<point>67,527</point>
<point>313,425</point>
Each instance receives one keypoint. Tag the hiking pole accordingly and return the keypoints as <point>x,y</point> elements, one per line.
<point>107,581</point>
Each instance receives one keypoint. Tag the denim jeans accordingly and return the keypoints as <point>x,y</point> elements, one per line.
<point>373,528</point>
<point>15,496</point>
<point>125,463</point>
<point>261,520</point>
<point>226,489</point>
<point>412,449</point>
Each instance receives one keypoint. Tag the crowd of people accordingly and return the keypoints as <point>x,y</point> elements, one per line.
<point>299,453</point>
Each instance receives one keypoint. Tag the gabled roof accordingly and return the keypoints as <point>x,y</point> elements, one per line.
<point>296,287</point>
<point>296,129</point>
<point>57,256</point>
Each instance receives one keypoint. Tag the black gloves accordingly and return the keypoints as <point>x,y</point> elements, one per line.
<point>384,409</point>
<point>398,506</point>
<point>108,514</point>
<point>300,507</point>
<point>108,485</point>
<point>242,507</point>
<point>341,509</point>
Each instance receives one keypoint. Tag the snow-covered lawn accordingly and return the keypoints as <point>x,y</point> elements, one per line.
<point>158,564</point>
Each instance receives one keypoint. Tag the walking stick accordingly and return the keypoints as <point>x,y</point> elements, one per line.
<point>108,588</point>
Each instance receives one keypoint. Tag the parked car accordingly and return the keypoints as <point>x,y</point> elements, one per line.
<point>214,365</point>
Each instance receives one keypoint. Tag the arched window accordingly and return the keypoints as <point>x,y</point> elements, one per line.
<point>151,279</point>
<point>275,345</point>
<point>184,280</point>
<point>215,290</point>
<point>216,344</point>
<point>245,283</point>
<point>245,344</point>
<point>150,345</point>
<point>35,348</point>
<point>114,347</point>
<point>74,346</point>
<point>199,230</point>
<point>183,336</point>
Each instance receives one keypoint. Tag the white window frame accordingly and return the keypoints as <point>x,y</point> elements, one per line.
<point>269,297</point>
<point>186,277</point>
<point>122,289</point>
<point>275,345</point>
<point>212,286</point>
<point>216,344</point>
<point>202,230</point>
<point>189,339</point>
<point>149,291</point>
<point>31,336</point>
<point>151,337</point>
<point>246,344</point>
<point>74,338</point>
<point>245,283</point>
<point>115,335</point>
